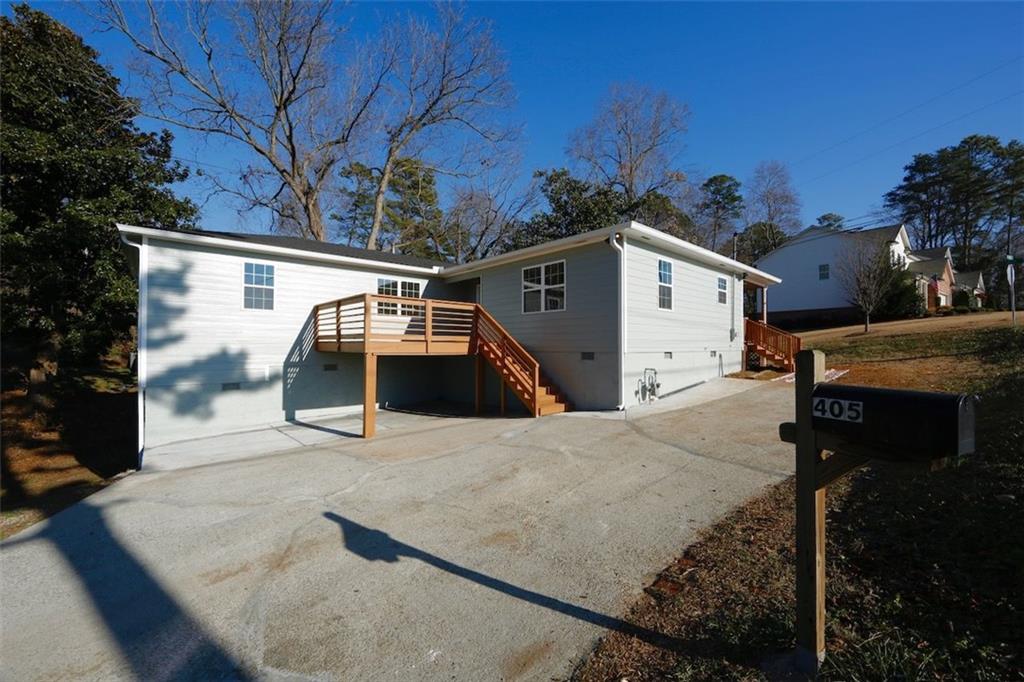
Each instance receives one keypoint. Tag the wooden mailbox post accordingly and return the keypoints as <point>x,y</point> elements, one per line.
<point>838,429</point>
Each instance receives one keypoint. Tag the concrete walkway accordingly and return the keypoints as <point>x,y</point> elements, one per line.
<point>468,549</point>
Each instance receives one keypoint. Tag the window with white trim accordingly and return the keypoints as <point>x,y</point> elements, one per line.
<point>387,287</point>
<point>258,286</point>
<point>410,290</point>
<point>664,284</point>
<point>823,271</point>
<point>723,290</point>
<point>544,287</point>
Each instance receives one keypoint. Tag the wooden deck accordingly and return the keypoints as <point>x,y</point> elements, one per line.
<point>374,325</point>
<point>771,343</point>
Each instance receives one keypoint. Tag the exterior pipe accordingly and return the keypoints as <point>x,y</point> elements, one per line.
<point>622,314</point>
<point>141,333</point>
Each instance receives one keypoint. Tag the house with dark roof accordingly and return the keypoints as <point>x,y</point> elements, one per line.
<point>238,331</point>
<point>811,294</point>
<point>973,284</point>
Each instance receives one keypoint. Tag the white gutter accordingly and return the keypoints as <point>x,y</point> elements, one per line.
<point>622,313</point>
<point>141,334</point>
<point>219,242</point>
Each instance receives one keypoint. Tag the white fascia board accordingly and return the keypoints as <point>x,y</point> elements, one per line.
<point>700,254</point>
<point>218,242</point>
<point>456,273</point>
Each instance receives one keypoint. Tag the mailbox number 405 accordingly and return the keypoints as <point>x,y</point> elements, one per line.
<point>840,410</point>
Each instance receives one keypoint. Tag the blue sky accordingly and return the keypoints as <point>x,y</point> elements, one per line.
<point>786,81</point>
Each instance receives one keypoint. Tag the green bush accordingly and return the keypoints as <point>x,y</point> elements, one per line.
<point>961,310</point>
<point>902,300</point>
<point>961,298</point>
<point>944,310</point>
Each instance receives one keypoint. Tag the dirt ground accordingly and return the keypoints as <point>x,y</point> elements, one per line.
<point>923,325</point>
<point>73,442</point>
<point>925,573</point>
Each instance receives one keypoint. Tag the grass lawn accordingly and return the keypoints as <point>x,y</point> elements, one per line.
<point>72,444</point>
<point>925,573</point>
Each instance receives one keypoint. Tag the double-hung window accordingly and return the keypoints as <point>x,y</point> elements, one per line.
<point>664,284</point>
<point>823,271</point>
<point>410,290</point>
<point>544,287</point>
<point>258,286</point>
<point>723,290</point>
<point>387,287</point>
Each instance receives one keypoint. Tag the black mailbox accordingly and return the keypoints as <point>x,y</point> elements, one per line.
<point>899,425</point>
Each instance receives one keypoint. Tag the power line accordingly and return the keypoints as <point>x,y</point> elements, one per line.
<point>908,111</point>
<point>914,137</point>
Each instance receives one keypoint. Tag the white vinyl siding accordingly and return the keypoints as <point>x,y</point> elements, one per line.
<point>200,338</point>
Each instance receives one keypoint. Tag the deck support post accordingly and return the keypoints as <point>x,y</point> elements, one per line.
<point>810,521</point>
<point>764,305</point>
<point>369,394</point>
<point>479,392</point>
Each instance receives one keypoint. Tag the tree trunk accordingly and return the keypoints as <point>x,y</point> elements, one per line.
<point>316,218</point>
<point>378,202</point>
<point>867,322</point>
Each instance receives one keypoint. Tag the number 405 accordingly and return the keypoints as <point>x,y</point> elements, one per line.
<point>840,410</point>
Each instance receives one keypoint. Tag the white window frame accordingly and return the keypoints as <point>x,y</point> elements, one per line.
<point>723,290</point>
<point>827,272</point>
<point>388,307</point>
<point>542,287</point>
<point>272,287</point>
<point>670,284</point>
<point>405,284</point>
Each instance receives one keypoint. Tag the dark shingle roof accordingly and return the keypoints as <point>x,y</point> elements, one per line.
<point>935,266</point>
<point>926,254</point>
<point>320,247</point>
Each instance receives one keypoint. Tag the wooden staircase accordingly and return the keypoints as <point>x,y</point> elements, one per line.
<point>771,344</point>
<point>375,325</point>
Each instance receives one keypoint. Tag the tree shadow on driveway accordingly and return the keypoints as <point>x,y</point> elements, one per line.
<point>375,545</point>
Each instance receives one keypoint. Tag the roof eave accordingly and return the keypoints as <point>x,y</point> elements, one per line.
<point>220,242</point>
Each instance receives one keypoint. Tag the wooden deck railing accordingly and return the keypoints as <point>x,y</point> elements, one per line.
<point>398,325</point>
<point>373,323</point>
<point>772,341</point>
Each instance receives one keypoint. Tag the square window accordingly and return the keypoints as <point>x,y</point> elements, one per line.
<point>544,287</point>
<point>723,284</point>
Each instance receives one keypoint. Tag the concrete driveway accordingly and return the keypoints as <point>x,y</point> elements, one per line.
<point>467,549</point>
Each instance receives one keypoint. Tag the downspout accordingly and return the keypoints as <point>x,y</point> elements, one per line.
<point>141,334</point>
<point>613,242</point>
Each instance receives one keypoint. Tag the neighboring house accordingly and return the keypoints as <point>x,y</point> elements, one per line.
<point>974,284</point>
<point>934,275</point>
<point>811,291</point>
<point>238,331</point>
<point>809,264</point>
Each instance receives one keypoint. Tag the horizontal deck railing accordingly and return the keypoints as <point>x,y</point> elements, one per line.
<point>375,323</point>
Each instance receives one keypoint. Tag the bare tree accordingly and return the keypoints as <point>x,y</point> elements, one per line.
<point>633,143</point>
<point>866,270</point>
<point>259,74</point>
<point>485,214</point>
<point>773,203</point>
<point>446,82</point>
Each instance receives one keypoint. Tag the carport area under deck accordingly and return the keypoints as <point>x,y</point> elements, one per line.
<point>376,325</point>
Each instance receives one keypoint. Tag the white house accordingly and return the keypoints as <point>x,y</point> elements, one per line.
<point>812,291</point>
<point>237,331</point>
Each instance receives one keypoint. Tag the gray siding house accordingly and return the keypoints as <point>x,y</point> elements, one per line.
<point>240,331</point>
